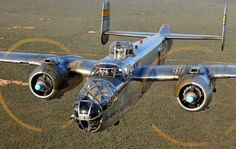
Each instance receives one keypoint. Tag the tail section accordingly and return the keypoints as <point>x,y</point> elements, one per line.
<point>164,30</point>
<point>105,24</point>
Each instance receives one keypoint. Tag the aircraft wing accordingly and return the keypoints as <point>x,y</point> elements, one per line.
<point>73,63</point>
<point>24,58</point>
<point>222,71</point>
<point>156,73</point>
<point>175,72</point>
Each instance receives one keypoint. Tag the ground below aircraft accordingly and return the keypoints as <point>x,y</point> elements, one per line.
<point>108,93</point>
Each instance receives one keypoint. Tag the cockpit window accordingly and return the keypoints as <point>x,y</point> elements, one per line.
<point>107,70</point>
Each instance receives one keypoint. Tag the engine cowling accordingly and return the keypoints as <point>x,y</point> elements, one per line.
<point>194,93</point>
<point>50,82</point>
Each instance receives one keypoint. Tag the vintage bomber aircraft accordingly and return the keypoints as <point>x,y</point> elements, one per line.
<point>109,91</point>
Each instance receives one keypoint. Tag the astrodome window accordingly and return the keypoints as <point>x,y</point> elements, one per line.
<point>122,49</point>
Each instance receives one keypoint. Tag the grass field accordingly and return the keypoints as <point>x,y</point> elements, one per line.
<point>156,121</point>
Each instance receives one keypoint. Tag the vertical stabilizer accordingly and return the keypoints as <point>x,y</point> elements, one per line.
<point>224,26</point>
<point>105,23</point>
<point>164,30</point>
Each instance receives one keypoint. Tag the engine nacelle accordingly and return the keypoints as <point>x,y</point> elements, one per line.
<point>194,92</point>
<point>50,82</point>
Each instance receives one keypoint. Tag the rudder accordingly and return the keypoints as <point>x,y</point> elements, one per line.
<point>105,21</point>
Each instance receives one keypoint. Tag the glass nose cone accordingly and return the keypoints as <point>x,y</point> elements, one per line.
<point>91,102</point>
<point>88,115</point>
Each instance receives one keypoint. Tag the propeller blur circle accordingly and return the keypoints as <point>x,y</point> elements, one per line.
<point>2,101</point>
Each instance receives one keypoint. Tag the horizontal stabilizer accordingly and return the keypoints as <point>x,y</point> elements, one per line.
<point>192,37</point>
<point>130,34</point>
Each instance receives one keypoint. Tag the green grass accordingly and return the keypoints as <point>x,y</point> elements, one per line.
<point>70,22</point>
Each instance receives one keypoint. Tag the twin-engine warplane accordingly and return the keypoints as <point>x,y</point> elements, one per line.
<point>116,82</point>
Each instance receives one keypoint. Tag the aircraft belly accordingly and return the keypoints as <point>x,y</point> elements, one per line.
<point>129,95</point>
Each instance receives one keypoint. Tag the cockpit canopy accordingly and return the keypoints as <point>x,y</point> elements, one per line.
<point>122,49</point>
<point>109,70</point>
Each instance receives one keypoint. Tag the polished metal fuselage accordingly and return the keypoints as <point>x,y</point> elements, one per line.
<point>149,51</point>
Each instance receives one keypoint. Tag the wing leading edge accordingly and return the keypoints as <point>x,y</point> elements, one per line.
<point>75,64</point>
<point>175,72</point>
<point>24,58</point>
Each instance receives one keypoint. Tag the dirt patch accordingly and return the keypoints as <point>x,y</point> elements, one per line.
<point>15,82</point>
